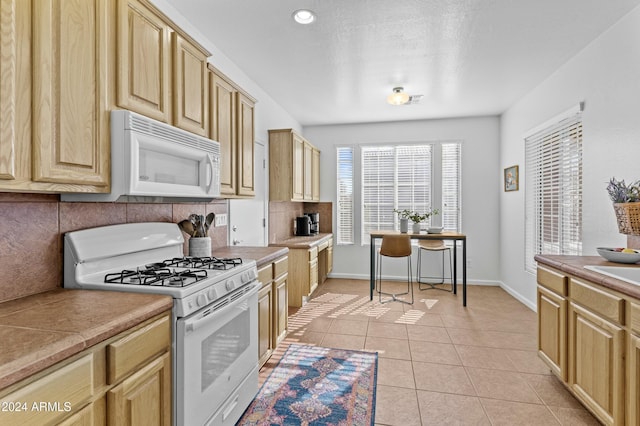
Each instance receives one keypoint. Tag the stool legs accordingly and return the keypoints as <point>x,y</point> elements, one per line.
<point>393,297</point>
<point>432,285</point>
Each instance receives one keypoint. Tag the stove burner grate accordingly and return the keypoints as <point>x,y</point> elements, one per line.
<point>198,262</point>
<point>156,277</point>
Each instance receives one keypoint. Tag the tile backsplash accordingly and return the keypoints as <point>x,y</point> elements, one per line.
<point>32,227</point>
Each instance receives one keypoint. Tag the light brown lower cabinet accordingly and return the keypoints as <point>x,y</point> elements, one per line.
<point>272,307</point>
<point>587,336</point>
<point>125,380</point>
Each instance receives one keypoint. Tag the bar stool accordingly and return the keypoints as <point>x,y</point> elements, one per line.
<point>433,246</point>
<point>395,246</point>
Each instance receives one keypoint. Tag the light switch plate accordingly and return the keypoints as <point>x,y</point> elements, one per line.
<point>221,220</point>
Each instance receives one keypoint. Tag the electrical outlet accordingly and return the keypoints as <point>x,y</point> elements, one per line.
<point>221,220</point>
<point>468,263</point>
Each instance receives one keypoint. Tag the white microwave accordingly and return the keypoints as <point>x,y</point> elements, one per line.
<point>155,162</point>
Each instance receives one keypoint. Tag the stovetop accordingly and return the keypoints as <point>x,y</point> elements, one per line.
<point>147,258</point>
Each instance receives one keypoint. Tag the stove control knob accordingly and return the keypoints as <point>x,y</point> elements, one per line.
<point>212,294</point>
<point>244,277</point>
<point>230,285</point>
<point>201,300</point>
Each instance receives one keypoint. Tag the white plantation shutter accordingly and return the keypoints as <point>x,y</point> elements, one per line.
<point>344,179</point>
<point>553,199</point>
<point>451,167</point>
<point>413,178</point>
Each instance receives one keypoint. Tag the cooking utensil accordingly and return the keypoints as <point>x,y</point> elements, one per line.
<point>207,224</point>
<point>187,227</point>
<point>201,223</point>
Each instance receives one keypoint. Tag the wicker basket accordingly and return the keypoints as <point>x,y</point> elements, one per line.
<point>628,217</point>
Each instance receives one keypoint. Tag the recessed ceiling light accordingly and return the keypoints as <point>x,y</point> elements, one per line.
<point>304,16</point>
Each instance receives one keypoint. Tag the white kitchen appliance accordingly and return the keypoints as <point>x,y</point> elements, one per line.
<point>215,311</point>
<point>155,162</point>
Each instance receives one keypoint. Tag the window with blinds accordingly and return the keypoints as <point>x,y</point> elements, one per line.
<point>553,184</point>
<point>396,177</point>
<point>451,166</point>
<point>345,231</point>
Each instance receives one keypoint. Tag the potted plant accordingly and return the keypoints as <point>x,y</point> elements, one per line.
<point>417,218</point>
<point>626,204</point>
<point>403,216</point>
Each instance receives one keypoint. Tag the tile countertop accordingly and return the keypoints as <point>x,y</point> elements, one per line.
<point>302,242</point>
<point>40,330</point>
<point>261,255</point>
<point>575,265</point>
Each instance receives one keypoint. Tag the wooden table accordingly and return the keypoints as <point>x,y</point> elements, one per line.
<point>453,236</point>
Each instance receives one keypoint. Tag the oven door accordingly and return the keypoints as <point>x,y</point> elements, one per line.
<point>216,349</point>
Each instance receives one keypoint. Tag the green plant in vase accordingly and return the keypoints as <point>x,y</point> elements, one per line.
<point>417,218</point>
<point>403,216</point>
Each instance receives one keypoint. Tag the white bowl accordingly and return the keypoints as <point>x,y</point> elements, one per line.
<point>612,255</point>
<point>435,230</point>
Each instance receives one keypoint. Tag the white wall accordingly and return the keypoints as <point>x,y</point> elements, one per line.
<point>480,183</point>
<point>605,76</point>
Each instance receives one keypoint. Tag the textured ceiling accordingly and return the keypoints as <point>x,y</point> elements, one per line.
<point>467,57</point>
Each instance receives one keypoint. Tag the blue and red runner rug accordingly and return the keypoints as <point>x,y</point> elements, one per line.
<point>316,386</point>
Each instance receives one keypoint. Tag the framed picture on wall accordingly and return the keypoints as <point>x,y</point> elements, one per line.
<point>511,178</point>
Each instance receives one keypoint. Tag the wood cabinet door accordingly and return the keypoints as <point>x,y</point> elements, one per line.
<point>70,119</point>
<point>223,130</point>
<point>143,61</point>
<point>246,148</point>
<point>8,71</point>
<point>552,325</point>
<point>315,174</point>
<point>596,364</point>
<point>308,172</point>
<point>297,167</point>
<point>190,83</point>
<point>280,309</point>
<point>633,399</point>
<point>330,257</point>
<point>313,275</point>
<point>265,315</point>
<point>144,398</point>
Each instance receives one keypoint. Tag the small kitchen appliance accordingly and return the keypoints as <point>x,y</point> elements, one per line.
<point>215,310</point>
<point>155,162</point>
<point>303,226</point>
<point>315,222</point>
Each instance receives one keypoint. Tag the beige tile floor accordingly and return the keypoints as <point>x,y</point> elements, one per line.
<point>440,363</point>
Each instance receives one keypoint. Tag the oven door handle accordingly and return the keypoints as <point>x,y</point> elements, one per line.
<point>205,318</point>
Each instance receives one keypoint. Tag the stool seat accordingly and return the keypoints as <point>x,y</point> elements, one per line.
<point>395,246</point>
<point>433,246</point>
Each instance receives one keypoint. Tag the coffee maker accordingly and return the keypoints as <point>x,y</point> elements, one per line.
<point>315,222</point>
<point>303,226</point>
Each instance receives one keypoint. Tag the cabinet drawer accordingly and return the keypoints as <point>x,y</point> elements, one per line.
<point>323,245</point>
<point>71,384</point>
<point>128,353</point>
<point>280,266</point>
<point>552,280</point>
<point>601,302</point>
<point>265,274</point>
<point>635,317</point>
<point>313,253</point>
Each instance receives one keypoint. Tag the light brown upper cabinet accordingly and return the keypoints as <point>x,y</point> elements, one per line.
<point>232,124</point>
<point>294,167</point>
<point>161,71</point>
<point>54,125</point>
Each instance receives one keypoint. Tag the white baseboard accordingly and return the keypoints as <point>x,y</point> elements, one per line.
<point>526,302</point>
<point>512,292</point>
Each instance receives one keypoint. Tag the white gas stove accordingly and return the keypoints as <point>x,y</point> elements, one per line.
<point>215,319</point>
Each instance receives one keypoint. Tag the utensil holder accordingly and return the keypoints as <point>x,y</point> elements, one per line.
<point>200,246</point>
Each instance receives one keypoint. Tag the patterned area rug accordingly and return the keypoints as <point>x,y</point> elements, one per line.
<point>312,386</point>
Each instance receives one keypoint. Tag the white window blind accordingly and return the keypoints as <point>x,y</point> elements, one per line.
<point>553,184</point>
<point>394,177</point>
<point>344,179</point>
<point>451,167</point>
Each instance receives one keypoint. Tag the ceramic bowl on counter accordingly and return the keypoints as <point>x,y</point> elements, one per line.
<point>615,255</point>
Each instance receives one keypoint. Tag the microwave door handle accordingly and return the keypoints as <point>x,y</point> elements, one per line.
<point>210,171</point>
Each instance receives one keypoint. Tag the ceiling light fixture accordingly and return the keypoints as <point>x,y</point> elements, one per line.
<point>304,16</point>
<point>398,97</point>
